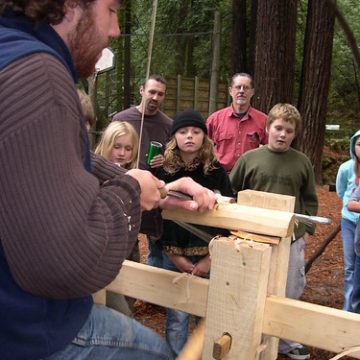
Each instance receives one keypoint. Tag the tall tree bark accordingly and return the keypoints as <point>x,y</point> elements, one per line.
<point>181,40</point>
<point>239,35</point>
<point>315,80</point>
<point>275,53</point>
<point>252,36</point>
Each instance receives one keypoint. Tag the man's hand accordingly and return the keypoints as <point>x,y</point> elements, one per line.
<point>203,198</point>
<point>157,161</point>
<point>149,185</point>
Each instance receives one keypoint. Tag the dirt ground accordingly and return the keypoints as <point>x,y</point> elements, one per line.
<point>324,279</point>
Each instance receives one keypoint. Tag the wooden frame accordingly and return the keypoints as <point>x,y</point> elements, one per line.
<point>244,297</point>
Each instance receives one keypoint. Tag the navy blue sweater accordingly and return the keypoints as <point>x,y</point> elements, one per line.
<point>33,327</point>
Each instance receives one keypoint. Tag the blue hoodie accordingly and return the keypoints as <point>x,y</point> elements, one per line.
<point>345,182</point>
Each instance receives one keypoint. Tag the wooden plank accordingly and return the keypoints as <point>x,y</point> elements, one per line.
<point>236,298</point>
<point>313,325</point>
<point>266,200</point>
<point>239,217</point>
<point>157,286</point>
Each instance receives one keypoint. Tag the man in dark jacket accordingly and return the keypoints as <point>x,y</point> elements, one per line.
<point>67,220</point>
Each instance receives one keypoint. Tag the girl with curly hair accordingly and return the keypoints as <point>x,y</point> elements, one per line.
<point>189,153</point>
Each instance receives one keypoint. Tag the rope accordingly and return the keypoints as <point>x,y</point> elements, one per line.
<point>352,350</point>
<point>188,278</point>
<point>151,41</point>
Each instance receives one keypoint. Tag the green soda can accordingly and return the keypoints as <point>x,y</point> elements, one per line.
<point>154,149</point>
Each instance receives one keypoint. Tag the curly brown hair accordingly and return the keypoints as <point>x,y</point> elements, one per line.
<point>40,10</point>
<point>174,163</point>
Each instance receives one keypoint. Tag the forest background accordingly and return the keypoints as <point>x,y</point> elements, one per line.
<point>296,51</point>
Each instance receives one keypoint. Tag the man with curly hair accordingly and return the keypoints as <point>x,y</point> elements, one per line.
<point>68,219</point>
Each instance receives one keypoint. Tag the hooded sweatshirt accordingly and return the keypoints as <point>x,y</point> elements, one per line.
<point>346,181</point>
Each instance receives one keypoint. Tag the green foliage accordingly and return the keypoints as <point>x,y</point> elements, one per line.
<point>183,45</point>
<point>181,26</point>
<point>344,97</point>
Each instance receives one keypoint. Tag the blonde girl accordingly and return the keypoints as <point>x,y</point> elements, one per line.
<point>119,144</point>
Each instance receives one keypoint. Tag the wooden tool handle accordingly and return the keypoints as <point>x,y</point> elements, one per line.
<point>163,192</point>
<point>194,346</point>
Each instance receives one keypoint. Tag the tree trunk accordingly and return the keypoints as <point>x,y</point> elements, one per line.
<point>181,41</point>
<point>239,35</point>
<point>275,53</point>
<point>252,36</point>
<point>315,81</point>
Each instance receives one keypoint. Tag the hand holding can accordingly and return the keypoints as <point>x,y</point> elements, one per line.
<point>154,149</point>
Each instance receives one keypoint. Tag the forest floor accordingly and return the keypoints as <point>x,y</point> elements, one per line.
<point>324,279</point>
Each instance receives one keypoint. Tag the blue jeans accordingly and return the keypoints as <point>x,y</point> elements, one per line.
<point>295,284</point>
<point>348,238</point>
<point>109,335</point>
<point>155,255</point>
<point>355,298</point>
<point>177,322</point>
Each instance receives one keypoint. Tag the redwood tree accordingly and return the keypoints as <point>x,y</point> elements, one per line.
<point>239,35</point>
<point>315,80</point>
<point>252,36</point>
<point>275,53</point>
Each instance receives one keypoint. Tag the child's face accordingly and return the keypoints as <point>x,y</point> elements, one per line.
<point>189,140</point>
<point>281,134</point>
<point>357,147</point>
<point>122,150</point>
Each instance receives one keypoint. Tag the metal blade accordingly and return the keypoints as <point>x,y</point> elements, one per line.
<point>313,219</point>
<point>203,235</point>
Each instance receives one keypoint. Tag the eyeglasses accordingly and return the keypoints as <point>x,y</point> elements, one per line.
<point>244,87</point>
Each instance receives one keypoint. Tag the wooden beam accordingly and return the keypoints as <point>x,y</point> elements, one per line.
<point>239,217</point>
<point>159,286</point>
<point>236,299</point>
<point>314,325</point>
<point>266,200</point>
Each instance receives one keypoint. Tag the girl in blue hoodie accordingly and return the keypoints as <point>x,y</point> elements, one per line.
<point>347,180</point>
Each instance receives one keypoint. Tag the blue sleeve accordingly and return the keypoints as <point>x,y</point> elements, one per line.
<point>341,180</point>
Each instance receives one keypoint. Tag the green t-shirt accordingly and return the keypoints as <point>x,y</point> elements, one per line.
<point>287,173</point>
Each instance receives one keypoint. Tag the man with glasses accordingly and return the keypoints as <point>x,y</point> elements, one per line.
<point>239,127</point>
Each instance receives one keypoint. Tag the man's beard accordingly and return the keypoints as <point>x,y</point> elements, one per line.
<point>85,45</point>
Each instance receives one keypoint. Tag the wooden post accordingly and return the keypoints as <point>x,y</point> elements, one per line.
<point>280,253</point>
<point>178,94</point>
<point>196,92</point>
<point>236,298</point>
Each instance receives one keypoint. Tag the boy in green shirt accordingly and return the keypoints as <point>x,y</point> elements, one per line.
<point>280,169</point>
